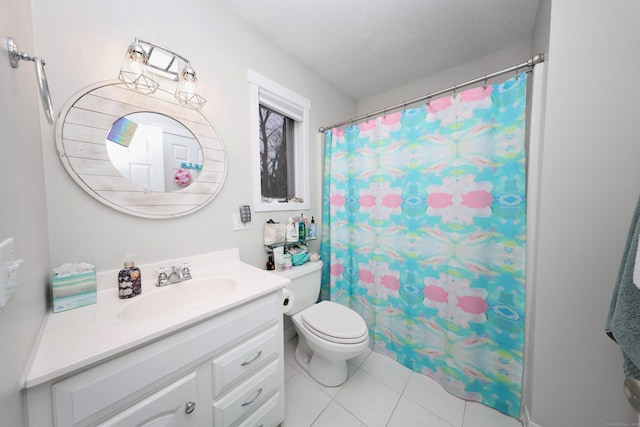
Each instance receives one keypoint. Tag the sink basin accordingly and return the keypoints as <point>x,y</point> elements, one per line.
<point>178,297</point>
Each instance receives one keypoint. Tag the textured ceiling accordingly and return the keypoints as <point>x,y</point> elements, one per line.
<point>365,47</point>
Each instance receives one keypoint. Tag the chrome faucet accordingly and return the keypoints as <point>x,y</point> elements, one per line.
<point>176,275</point>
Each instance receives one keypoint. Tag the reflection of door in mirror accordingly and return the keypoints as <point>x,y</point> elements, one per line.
<point>181,151</point>
<point>151,150</point>
<point>141,162</point>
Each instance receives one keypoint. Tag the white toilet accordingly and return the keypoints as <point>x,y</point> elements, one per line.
<point>328,333</point>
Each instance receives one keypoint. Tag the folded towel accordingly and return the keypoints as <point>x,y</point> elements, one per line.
<point>623,321</point>
<point>636,269</point>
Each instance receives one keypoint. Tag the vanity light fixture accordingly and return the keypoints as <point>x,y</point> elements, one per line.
<point>135,71</point>
<point>145,62</point>
<point>187,91</point>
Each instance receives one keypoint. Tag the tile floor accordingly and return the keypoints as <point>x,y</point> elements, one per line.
<point>379,392</point>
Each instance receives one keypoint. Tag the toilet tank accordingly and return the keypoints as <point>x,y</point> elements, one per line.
<point>305,284</point>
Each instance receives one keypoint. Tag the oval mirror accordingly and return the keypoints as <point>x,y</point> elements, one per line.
<point>144,155</point>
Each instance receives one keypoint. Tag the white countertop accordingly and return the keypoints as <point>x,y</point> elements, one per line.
<point>74,339</point>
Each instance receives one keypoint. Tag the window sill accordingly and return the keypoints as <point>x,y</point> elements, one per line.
<point>280,206</point>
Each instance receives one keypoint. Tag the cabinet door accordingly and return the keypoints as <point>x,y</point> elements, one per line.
<point>172,406</point>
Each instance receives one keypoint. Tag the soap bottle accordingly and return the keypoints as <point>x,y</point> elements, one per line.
<point>270,264</point>
<point>307,228</point>
<point>302,230</point>
<point>312,229</point>
<point>129,280</point>
<point>291,233</point>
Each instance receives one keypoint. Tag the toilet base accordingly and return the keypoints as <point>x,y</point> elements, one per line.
<point>329,373</point>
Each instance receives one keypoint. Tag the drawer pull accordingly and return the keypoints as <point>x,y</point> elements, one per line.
<point>254,399</point>
<point>247,362</point>
<point>190,407</point>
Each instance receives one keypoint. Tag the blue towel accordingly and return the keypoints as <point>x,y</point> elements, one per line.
<point>623,321</point>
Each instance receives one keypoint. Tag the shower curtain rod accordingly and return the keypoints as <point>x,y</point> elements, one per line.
<point>537,59</point>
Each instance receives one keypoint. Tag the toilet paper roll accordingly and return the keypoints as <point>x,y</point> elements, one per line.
<point>287,301</point>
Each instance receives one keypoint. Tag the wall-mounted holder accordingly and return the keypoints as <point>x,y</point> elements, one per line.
<point>15,55</point>
<point>8,266</point>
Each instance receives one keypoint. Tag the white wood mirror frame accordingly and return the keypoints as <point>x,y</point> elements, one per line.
<point>81,135</point>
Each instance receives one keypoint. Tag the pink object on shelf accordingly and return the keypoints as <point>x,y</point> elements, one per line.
<point>182,177</point>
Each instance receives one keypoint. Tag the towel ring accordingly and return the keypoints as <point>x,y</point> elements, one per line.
<point>632,392</point>
<point>15,55</point>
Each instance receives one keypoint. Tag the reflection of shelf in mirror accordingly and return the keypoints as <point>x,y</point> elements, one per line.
<point>287,244</point>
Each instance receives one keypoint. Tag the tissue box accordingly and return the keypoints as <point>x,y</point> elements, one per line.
<point>73,289</point>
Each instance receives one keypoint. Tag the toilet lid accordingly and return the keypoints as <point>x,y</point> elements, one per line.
<point>335,322</point>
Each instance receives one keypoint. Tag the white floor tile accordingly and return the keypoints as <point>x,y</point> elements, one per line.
<point>387,370</point>
<point>357,361</point>
<point>368,399</point>
<point>378,391</point>
<point>304,402</point>
<point>336,416</point>
<point>289,358</point>
<point>408,413</point>
<point>289,353</point>
<point>478,415</point>
<point>289,371</point>
<point>427,393</point>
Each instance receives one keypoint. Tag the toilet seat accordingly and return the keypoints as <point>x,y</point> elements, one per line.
<point>335,322</point>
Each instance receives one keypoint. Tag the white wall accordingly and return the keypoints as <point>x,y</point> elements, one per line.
<point>22,210</point>
<point>590,185</point>
<point>91,48</point>
<point>487,64</point>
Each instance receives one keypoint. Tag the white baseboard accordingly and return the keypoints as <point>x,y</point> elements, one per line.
<point>526,419</point>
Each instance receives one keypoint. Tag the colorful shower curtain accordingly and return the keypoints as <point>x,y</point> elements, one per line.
<point>424,236</point>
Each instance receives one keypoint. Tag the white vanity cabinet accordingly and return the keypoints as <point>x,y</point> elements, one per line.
<point>226,371</point>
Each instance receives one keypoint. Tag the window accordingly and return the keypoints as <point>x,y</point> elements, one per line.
<point>276,155</point>
<point>279,145</point>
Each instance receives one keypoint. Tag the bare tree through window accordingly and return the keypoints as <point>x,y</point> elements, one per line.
<point>276,150</point>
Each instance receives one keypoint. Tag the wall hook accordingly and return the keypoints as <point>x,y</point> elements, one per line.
<point>15,55</point>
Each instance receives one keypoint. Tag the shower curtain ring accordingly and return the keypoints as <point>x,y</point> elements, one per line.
<point>484,86</point>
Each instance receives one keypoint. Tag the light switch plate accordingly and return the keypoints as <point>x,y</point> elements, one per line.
<point>8,267</point>
<point>238,224</point>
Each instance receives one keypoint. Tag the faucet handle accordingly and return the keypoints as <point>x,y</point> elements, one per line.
<point>162,276</point>
<point>185,266</point>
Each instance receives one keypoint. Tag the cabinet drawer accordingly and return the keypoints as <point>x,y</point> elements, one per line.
<point>246,397</point>
<point>265,416</point>
<point>244,358</point>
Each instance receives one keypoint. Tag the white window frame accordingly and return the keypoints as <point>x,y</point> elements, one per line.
<point>277,97</point>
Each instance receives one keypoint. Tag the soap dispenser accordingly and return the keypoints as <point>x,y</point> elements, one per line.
<point>312,229</point>
<point>129,280</point>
